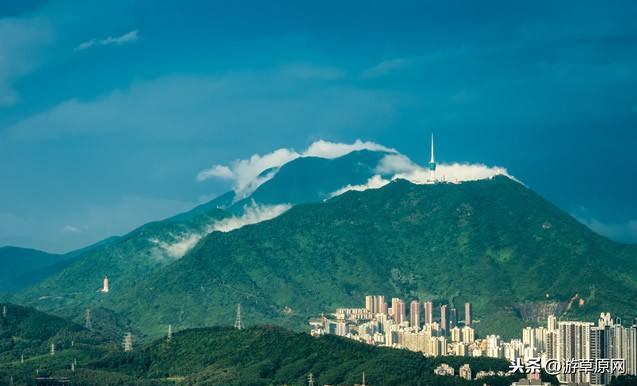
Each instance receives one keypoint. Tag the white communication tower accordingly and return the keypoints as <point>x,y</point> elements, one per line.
<point>169,336</point>
<point>237,322</point>
<point>88,323</point>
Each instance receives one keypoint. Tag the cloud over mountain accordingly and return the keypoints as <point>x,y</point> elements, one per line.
<point>247,174</point>
<point>252,214</point>
<point>402,167</point>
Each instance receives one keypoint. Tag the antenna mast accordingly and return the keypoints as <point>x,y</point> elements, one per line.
<point>432,162</point>
<point>88,324</point>
<point>237,322</point>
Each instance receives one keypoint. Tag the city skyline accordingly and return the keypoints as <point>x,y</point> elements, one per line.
<point>559,341</point>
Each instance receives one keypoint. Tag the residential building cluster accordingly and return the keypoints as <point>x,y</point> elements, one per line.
<point>393,324</point>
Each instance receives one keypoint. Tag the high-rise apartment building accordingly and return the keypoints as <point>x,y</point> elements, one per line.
<point>444,320</point>
<point>398,310</point>
<point>414,314</point>
<point>552,323</point>
<point>370,304</point>
<point>599,349</point>
<point>429,312</point>
<point>574,342</point>
<point>379,304</point>
<point>453,317</point>
<point>468,314</point>
<point>375,304</point>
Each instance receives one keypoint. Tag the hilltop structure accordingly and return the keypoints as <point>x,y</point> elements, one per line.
<point>432,162</point>
<point>105,287</point>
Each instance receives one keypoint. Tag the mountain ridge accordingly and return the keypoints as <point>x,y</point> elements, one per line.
<point>319,256</point>
<point>321,175</point>
<point>24,266</point>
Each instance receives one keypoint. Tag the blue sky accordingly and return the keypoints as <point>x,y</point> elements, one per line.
<point>108,110</point>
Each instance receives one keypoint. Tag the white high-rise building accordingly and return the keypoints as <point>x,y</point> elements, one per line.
<point>540,339</point>
<point>631,359</point>
<point>468,335</point>
<point>528,336</point>
<point>599,350</point>
<point>574,339</point>
<point>456,334</point>
<point>494,347</point>
<point>551,323</point>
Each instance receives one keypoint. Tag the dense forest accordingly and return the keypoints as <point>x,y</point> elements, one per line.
<point>260,355</point>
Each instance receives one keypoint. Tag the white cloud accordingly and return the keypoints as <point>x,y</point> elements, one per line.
<point>252,214</point>
<point>176,249</point>
<point>326,149</point>
<point>128,37</point>
<point>455,173</point>
<point>402,167</point>
<point>219,171</point>
<point>385,67</point>
<point>85,45</point>
<point>395,163</point>
<point>247,174</point>
<point>71,229</point>
<point>123,39</point>
<point>374,182</point>
<point>399,166</point>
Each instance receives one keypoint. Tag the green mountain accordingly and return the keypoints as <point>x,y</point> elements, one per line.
<point>494,243</point>
<point>22,266</point>
<point>27,332</point>
<point>303,180</point>
<point>26,336</point>
<point>129,258</point>
<point>124,260</point>
<point>313,179</point>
